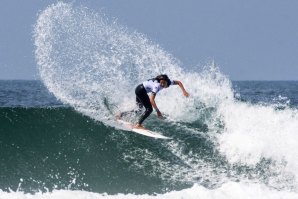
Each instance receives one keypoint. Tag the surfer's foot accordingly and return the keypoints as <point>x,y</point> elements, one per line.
<point>139,126</point>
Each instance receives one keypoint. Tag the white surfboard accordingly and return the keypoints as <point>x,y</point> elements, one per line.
<point>145,132</point>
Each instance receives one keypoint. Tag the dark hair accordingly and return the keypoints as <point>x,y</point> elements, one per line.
<point>163,77</point>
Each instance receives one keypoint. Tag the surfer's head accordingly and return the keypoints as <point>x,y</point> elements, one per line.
<point>163,80</point>
<point>164,83</point>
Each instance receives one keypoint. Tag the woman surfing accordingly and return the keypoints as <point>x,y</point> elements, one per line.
<point>152,86</point>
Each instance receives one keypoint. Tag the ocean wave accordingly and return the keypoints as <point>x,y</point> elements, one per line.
<point>93,64</point>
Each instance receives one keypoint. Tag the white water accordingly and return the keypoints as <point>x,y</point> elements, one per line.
<point>230,190</point>
<point>85,60</point>
<point>254,132</point>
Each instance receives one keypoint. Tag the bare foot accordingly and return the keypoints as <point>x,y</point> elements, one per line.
<point>139,126</point>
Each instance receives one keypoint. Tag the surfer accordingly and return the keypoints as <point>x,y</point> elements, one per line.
<point>152,86</point>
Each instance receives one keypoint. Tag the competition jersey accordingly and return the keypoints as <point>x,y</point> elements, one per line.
<point>152,86</point>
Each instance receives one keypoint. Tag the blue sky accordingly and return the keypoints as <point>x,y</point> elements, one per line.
<point>249,40</point>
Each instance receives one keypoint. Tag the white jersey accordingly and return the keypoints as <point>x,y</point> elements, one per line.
<point>153,86</point>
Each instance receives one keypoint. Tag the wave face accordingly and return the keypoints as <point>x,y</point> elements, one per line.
<point>58,148</point>
<point>223,143</point>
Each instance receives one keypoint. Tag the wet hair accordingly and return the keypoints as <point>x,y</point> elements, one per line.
<point>163,77</point>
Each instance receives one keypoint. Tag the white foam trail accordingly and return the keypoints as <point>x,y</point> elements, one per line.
<point>230,190</point>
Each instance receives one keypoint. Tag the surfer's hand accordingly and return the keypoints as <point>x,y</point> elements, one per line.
<point>159,114</point>
<point>186,94</point>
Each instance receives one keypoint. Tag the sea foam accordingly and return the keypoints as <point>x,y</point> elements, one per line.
<point>231,190</point>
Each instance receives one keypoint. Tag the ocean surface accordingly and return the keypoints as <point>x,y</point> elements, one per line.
<point>59,137</point>
<point>47,146</point>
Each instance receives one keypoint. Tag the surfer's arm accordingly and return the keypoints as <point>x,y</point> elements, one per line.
<point>185,93</point>
<point>152,101</point>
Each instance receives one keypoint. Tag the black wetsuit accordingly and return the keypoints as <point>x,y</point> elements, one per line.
<point>142,99</point>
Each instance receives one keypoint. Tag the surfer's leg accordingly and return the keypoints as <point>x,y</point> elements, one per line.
<point>143,98</point>
<point>147,112</point>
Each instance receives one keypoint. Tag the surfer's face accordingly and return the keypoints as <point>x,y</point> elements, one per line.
<point>163,83</point>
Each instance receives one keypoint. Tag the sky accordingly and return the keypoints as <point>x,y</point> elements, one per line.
<point>248,40</point>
